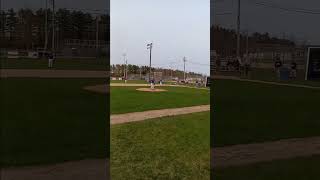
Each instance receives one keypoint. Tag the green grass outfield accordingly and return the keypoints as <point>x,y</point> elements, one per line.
<point>247,112</point>
<point>175,147</point>
<point>72,64</point>
<point>52,120</point>
<point>130,81</point>
<point>293,169</point>
<point>270,75</point>
<point>128,99</point>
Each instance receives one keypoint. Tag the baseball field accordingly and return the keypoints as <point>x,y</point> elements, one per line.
<point>169,147</point>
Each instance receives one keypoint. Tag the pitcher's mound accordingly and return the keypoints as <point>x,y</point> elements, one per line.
<point>151,90</point>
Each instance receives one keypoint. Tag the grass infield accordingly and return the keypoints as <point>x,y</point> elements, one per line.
<point>128,99</point>
<point>52,120</point>
<point>248,112</point>
<point>175,147</point>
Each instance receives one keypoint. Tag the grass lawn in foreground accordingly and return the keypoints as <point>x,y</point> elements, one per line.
<point>128,99</point>
<point>270,75</point>
<point>176,147</point>
<point>293,169</point>
<point>247,112</point>
<point>72,64</point>
<point>52,120</point>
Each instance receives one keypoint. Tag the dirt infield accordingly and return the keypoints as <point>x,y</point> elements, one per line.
<point>80,170</point>
<point>101,88</point>
<point>243,154</point>
<point>264,82</point>
<point>151,90</point>
<point>140,116</point>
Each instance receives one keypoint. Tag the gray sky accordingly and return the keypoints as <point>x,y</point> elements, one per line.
<point>177,28</point>
<point>274,21</point>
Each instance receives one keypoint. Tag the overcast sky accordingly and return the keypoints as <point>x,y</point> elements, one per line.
<point>177,28</point>
<point>275,21</point>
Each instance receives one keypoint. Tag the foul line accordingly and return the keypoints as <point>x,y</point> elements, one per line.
<point>243,154</point>
<point>140,116</point>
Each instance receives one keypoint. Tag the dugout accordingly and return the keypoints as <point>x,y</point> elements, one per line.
<point>313,63</point>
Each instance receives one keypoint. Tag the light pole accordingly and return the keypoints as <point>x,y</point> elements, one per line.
<point>238,30</point>
<point>124,65</point>
<point>149,46</point>
<point>97,36</point>
<point>3,18</point>
<point>53,26</point>
<point>247,44</point>
<point>184,69</point>
<point>171,69</point>
<point>2,21</point>
<point>126,70</point>
<point>46,28</point>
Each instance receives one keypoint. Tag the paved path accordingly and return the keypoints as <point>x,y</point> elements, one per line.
<point>265,82</point>
<point>97,169</point>
<point>140,116</point>
<point>46,73</point>
<point>243,154</point>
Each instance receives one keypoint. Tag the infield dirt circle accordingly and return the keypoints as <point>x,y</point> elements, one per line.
<point>150,90</point>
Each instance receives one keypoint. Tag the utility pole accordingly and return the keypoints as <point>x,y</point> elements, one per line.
<point>238,30</point>
<point>2,20</point>
<point>53,26</point>
<point>140,68</point>
<point>247,44</point>
<point>149,46</point>
<point>184,69</point>
<point>97,36</point>
<point>46,27</point>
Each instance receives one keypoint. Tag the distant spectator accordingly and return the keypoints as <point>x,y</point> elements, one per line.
<point>152,84</point>
<point>237,64</point>
<point>277,66</point>
<point>50,61</point>
<point>218,64</point>
<point>240,65</point>
<point>293,72</point>
<point>228,64</point>
<point>247,67</point>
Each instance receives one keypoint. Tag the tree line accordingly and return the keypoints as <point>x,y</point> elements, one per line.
<point>224,40</point>
<point>25,28</point>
